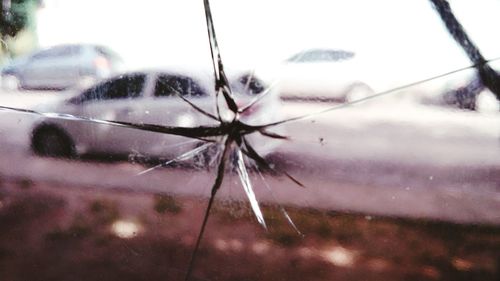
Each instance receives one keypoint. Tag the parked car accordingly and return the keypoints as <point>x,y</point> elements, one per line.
<point>464,96</point>
<point>465,91</point>
<point>145,97</point>
<point>322,74</point>
<point>61,67</point>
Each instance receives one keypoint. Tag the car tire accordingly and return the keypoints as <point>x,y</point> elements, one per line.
<point>52,142</point>
<point>11,82</point>
<point>358,92</point>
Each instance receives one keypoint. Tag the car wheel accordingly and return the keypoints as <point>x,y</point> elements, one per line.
<point>358,92</point>
<point>10,82</point>
<point>52,142</point>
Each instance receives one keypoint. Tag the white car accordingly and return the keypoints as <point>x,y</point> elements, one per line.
<point>61,67</point>
<point>146,97</point>
<point>322,74</point>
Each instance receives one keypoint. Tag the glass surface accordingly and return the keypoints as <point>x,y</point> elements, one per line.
<point>330,140</point>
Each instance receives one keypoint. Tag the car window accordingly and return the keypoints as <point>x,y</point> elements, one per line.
<point>106,52</point>
<point>251,84</point>
<point>123,87</point>
<point>171,85</point>
<point>60,51</point>
<point>321,56</point>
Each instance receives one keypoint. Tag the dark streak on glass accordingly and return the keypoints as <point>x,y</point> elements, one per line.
<point>488,76</point>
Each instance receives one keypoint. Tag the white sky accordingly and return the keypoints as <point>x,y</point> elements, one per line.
<point>404,40</point>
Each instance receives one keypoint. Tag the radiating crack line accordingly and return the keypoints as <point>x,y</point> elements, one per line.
<point>258,98</point>
<point>247,187</point>
<point>250,77</point>
<point>282,209</point>
<point>273,135</point>
<point>383,93</point>
<point>215,187</point>
<point>137,153</point>
<point>180,143</point>
<point>252,154</point>
<point>199,132</point>
<point>221,81</point>
<point>214,158</point>
<point>232,131</point>
<point>185,156</point>
<point>65,116</point>
<point>197,108</point>
<point>214,48</point>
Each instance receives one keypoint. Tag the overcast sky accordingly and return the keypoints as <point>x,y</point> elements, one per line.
<point>394,35</point>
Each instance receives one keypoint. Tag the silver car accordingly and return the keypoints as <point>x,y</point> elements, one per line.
<point>61,67</point>
<point>150,97</point>
<point>323,74</point>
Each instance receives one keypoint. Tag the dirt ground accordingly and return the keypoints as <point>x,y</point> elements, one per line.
<point>56,232</point>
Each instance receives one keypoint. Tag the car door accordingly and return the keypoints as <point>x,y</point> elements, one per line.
<point>164,106</point>
<point>52,68</point>
<point>33,71</point>
<point>118,99</point>
<point>63,70</point>
<point>325,74</point>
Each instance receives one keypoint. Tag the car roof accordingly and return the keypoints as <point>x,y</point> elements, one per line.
<point>321,55</point>
<point>148,72</point>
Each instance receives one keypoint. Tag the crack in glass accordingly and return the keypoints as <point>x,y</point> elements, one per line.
<point>230,135</point>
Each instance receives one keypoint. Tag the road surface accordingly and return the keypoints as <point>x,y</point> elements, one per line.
<point>387,158</point>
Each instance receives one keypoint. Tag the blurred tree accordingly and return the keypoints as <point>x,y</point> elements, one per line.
<point>488,76</point>
<point>14,17</point>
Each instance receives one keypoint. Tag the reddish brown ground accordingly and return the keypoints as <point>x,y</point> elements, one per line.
<point>52,232</point>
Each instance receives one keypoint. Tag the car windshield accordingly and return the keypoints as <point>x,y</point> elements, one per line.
<point>121,87</point>
<point>250,140</point>
<point>321,56</point>
<point>58,51</point>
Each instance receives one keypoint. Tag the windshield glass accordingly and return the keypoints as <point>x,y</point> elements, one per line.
<point>250,140</point>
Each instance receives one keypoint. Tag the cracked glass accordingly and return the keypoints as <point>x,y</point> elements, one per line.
<point>249,140</point>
